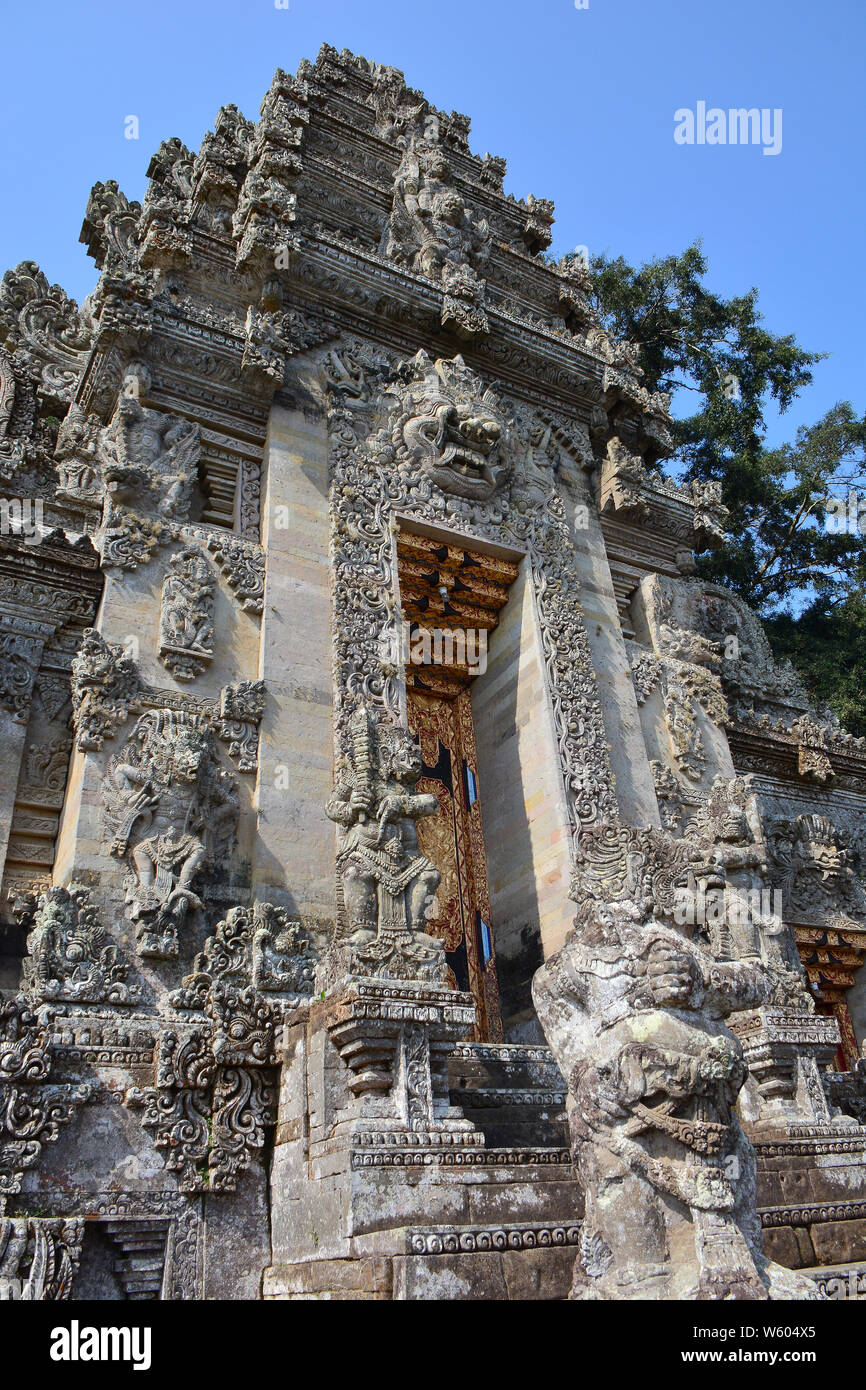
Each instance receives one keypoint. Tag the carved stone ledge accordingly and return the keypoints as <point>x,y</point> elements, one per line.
<point>455,1240</point>
<point>394,1039</point>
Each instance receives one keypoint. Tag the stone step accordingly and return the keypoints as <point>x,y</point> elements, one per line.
<point>514,1093</point>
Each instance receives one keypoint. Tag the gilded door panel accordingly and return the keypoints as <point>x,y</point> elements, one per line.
<point>452,839</point>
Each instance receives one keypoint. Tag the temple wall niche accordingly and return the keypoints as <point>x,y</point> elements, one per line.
<point>294,853</point>
<point>526,831</point>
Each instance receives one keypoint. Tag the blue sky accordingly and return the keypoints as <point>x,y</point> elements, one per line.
<point>580,102</point>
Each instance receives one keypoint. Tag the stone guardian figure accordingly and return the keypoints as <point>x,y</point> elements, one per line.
<point>634,1013</point>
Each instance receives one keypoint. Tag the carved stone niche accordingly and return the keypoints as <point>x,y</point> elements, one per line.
<point>186,620</point>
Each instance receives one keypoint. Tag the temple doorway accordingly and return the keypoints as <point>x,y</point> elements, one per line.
<point>451,598</point>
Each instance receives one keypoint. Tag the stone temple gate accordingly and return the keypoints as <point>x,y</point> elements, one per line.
<point>417,883</point>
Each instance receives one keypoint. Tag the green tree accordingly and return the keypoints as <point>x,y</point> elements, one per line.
<point>800,563</point>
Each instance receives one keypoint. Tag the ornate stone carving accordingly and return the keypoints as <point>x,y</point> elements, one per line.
<point>166,237</point>
<point>170,811</point>
<point>283,957</point>
<point>19,664</point>
<point>243,566</point>
<point>42,325</point>
<point>78,457</point>
<point>32,1109</point>
<point>710,512</point>
<point>104,681</point>
<point>622,480</point>
<point>187,615</point>
<point>214,1091</point>
<point>447,424</point>
<point>45,769</point>
<point>812,759</point>
<point>572,292</point>
<point>263,225</point>
<point>529,515</point>
<point>240,713</point>
<point>537,235</point>
<point>15,450</point>
<point>430,225</point>
<point>734,864</point>
<point>129,540</point>
<point>110,227</point>
<point>686,688</point>
<point>387,886</point>
<point>433,232</point>
<point>265,351</point>
<point>260,946</point>
<point>71,958</point>
<point>634,1012</point>
<point>149,460</point>
<point>39,1257</point>
<point>814,867</point>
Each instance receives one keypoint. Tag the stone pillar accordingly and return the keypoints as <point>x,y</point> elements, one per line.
<point>635,793</point>
<point>293,861</point>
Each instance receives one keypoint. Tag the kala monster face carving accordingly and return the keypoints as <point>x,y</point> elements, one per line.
<point>450,425</point>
